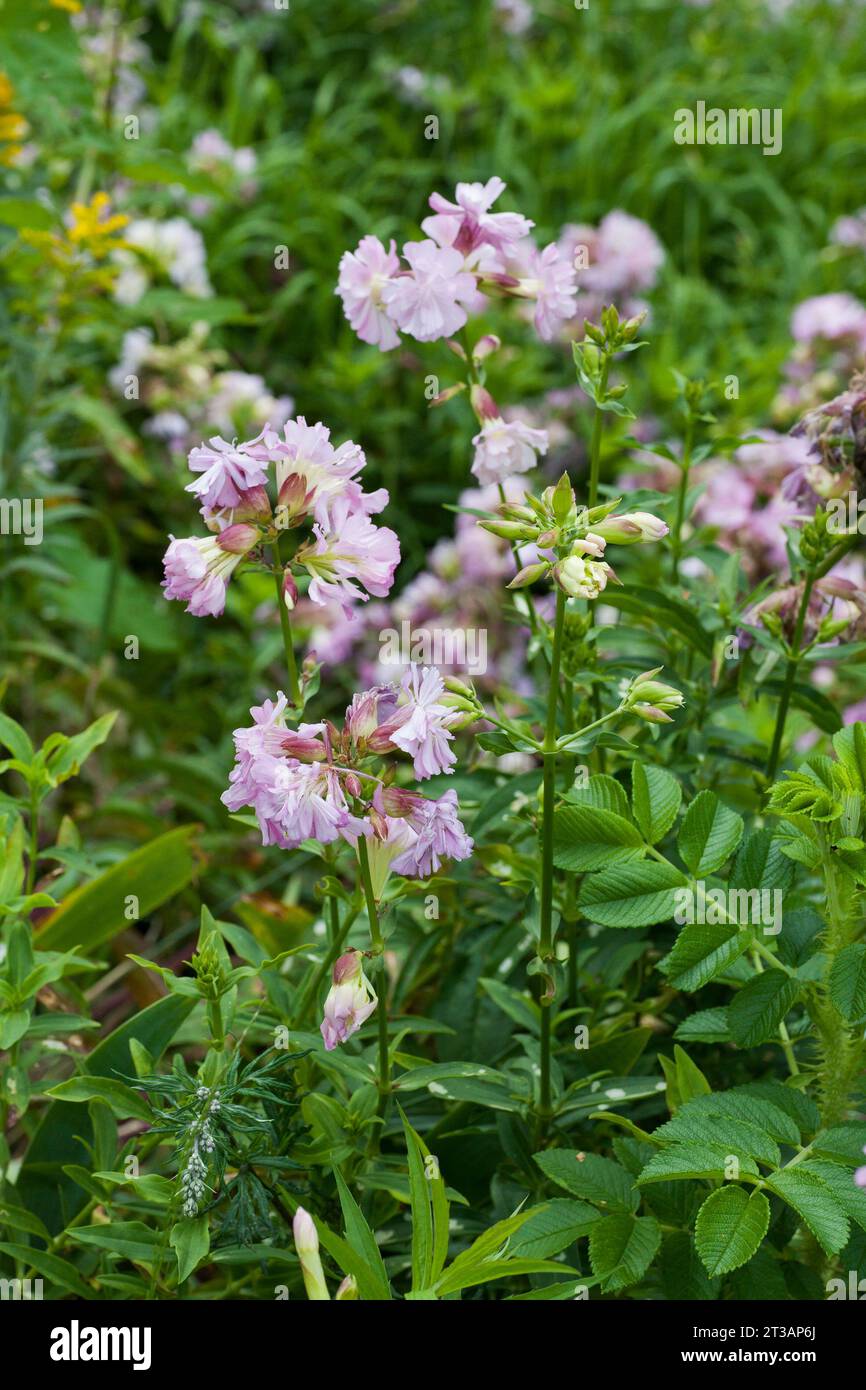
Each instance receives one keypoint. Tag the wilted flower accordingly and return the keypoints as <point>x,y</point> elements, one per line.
<point>350,1002</point>
<point>439,835</point>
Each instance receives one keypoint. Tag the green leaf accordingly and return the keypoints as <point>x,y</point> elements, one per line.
<point>65,1128</point>
<point>13,737</point>
<point>26,212</point>
<point>693,1161</point>
<point>585,837</point>
<point>359,1236</point>
<point>756,1011</point>
<point>13,1025</point>
<point>51,1267</point>
<point>655,795</point>
<point>621,1249</point>
<point>66,761</point>
<point>631,895</point>
<point>813,1200</point>
<point>12,863</point>
<point>683,1275</point>
<point>603,792</point>
<point>124,1102</point>
<point>761,863</point>
<point>553,1227</point>
<point>522,1008</point>
<point>707,1026</point>
<point>190,1239</point>
<point>709,834</point>
<point>744,1103</point>
<point>848,982</point>
<point>596,1179</point>
<point>131,1240</point>
<point>842,1143</point>
<point>98,910</point>
<point>852,1199</point>
<point>693,1125</point>
<point>730,1226</point>
<point>669,615</point>
<point>422,1218</point>
<point>702,952</point>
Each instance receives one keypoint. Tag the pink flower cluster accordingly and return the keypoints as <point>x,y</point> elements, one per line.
<point>346,558</point>
<point>829,332</point>
<point>457,592</point>
<point>469,251</point>
<point>616,262</point>
<point>312,783</point>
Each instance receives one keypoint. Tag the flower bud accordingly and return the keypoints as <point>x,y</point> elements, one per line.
<point>485,346</point>
<point>238,539</point>
<point>529,575</point>
<point>290,590</point>
<point>307,1246</point>
<point>348,1289</point>
<point>483,404</point>
<point>631,528</point>
<point>590,544</point>
<point>651,699</point>
<point>350,1002</point>
<point>510,530</point>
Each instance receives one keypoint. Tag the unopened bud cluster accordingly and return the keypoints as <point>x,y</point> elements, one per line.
<point>570,540</point>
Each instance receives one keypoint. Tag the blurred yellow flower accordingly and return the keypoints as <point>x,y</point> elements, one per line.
<point>72,6</point>
<point>13,126</point>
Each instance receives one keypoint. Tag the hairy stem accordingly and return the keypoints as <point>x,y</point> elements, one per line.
<point>790,677</point>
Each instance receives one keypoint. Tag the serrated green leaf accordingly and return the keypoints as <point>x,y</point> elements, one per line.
<point>709,834</point>
<point>631,895</point>
<point>730,1227</point>
<point>656,796</point>
<point>702,952</point>
<point>814,1201</point>
<point>756,1011</point>
<point>621,1249</point>
<point>585,837</point>
<point>596,1179</point>
<point>848,981</point>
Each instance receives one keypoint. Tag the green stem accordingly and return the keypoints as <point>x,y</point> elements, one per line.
<point>378,947</point>
<point>545,938</point>
<point>311,988</point>
<point>595,438</point>
<point>592,501</point>
<point>682,492</point>
<point>33,854</point>
<point>790,677</point>
<point>286,629</point>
